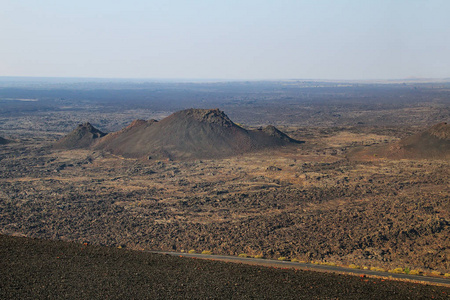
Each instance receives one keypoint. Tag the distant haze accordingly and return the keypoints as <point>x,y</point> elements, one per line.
<point>245,39</point>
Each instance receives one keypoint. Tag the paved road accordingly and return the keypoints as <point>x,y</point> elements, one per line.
<point>305,266</point>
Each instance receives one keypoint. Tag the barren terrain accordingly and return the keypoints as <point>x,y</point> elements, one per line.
<point>39,269</point>
<point>312,202</point>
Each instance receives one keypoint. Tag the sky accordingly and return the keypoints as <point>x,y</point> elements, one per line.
<point>232,39</point>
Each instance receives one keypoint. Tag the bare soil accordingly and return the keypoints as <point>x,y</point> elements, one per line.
<point>309,203</point>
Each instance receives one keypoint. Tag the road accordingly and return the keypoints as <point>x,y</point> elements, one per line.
<point>312,267</point>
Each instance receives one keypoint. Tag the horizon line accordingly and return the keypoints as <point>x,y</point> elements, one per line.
<point>199,80</point>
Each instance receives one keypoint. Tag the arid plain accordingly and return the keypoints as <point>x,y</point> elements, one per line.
<point>326,200</point>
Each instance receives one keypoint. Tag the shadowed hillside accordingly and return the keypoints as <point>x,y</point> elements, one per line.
<point>191,133</point>
<point>82,137</point>
<point>4,141</point>
<point>432,143</point>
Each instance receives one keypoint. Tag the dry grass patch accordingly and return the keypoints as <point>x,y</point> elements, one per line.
<point>397,271</point>
<point>415,272</point>
<point>436,273</point>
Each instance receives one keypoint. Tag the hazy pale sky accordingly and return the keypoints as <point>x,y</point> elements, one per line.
<point>227,39</point>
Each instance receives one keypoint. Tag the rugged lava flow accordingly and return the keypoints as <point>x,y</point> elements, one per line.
<point>38,269</point>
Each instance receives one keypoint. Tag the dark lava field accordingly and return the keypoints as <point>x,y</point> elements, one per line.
<point>41,269</point>
<point>368,186</point>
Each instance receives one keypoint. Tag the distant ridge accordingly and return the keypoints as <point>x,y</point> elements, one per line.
<point>432,143</point>
<point>81,137</point>
<point>186,134</point>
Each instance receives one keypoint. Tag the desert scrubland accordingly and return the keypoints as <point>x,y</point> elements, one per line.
<point>344,195</point>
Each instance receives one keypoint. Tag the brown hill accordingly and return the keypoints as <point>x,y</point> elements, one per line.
<point>432,143</point>
<point>82,137</point>
<point>191,133</point>
<point>132,127</point>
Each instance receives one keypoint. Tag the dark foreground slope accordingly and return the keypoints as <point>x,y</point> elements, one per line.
<point>40,269</point>
<point>4,141</point>
<point>432,143</point>
<point>191,133</point>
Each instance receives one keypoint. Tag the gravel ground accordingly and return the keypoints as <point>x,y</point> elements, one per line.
<point>42,269</point>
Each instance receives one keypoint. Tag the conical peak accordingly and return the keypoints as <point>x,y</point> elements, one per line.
<point>271,129</point>
<point>212,116</point>
<point>86,126</point>
<point>137,122</point>
<point>275,132</point>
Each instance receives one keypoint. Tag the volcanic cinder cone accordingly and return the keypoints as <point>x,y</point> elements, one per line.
<point>82,137</point>
<point>432,143</point>
<point>191,133</point>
